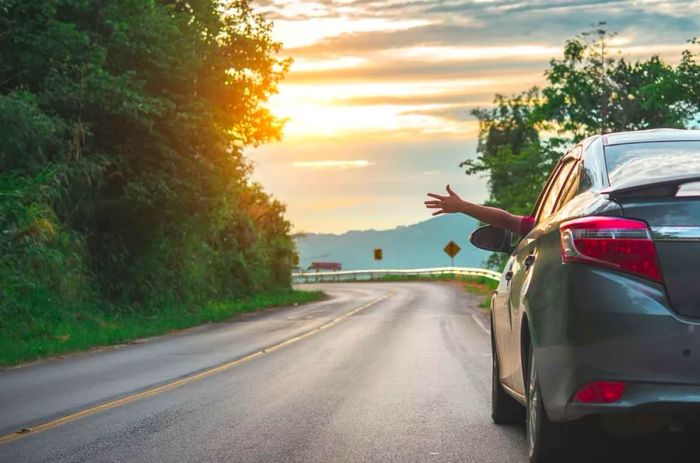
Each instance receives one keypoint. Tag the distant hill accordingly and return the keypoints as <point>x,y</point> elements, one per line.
<point>413,246</point>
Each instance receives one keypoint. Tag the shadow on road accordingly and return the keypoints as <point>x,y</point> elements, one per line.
<point>654,448</point>
<point>662,447</point>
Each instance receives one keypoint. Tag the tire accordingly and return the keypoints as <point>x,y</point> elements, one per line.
<point>504,408</point>
<point>546,441</point>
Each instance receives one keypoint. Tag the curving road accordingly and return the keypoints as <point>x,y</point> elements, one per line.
<point>404,378</point>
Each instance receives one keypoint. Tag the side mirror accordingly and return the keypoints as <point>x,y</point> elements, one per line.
<point>492,238</point>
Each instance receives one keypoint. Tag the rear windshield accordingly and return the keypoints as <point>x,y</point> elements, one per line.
<point>651,161</point>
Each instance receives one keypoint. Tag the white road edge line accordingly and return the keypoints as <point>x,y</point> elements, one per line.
<point>481,325</point>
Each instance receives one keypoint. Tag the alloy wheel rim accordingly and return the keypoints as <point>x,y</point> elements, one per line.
<point>493,367</point>
<point>494,384</point>
<point>494,374</point>
<point>532,404</point>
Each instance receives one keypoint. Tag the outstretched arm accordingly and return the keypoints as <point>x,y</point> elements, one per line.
<point>490,215</point>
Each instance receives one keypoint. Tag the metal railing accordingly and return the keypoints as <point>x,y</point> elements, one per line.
<point>365,275</point>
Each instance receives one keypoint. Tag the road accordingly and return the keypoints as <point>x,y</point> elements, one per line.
<point>396,372</point>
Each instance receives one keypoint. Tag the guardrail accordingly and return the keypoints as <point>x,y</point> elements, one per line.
<point>360,275</point>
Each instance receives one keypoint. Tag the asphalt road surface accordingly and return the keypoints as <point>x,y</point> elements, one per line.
<point>404,378</point>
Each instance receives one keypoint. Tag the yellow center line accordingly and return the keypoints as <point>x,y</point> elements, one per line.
<point>180,382</point>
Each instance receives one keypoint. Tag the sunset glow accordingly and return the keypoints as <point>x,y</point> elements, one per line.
<point>333,164</point>
<point>381,92</point>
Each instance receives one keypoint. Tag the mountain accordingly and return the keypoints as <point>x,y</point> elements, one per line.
<point>414,246</point>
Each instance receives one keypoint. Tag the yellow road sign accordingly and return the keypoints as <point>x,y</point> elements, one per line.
<point>452,249</point>
<point>295,260</point>
<point>378,254</point>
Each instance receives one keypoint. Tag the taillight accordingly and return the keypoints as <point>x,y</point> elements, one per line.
<point>623,244</point>
<point>605,392</point>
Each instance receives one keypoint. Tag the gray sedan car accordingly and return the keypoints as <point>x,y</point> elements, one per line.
<point>596,319</point>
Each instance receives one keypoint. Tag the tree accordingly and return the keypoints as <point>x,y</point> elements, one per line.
<point>140,110</point>
<point>589,91</point>
<point>509,146</point>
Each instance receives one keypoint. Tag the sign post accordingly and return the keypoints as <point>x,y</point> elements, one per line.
<point>452,249</point>
<point>378,256</point>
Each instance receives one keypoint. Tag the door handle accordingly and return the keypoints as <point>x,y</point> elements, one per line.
<point>529,260</point>
<point>509,275</point>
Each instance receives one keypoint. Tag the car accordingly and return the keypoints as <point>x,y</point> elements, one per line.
<point>596,319</point>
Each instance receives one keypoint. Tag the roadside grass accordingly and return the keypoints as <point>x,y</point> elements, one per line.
<point>66,331</point>
<point>479,286</point>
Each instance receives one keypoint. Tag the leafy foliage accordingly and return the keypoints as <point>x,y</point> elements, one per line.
<point>592,92</point>
<point>122,176</point>
<point>509,147</point>
<point>589,91</point>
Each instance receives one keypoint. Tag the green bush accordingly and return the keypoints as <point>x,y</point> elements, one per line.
<point>43,271</point>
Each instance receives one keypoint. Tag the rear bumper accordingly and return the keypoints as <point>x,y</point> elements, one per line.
<point>617,328</point>
<point>642,398</point>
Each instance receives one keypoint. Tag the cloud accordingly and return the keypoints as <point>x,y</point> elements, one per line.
<point>453,113</point>
<point>393,188</point>
<point>389,85</point>
<point>509,6</point>
<point>355,164</point>
<point>298,33</point>
<point>339,202</point>
<point>543,23</point>
<point>450,96</point>
<point>417,70</point>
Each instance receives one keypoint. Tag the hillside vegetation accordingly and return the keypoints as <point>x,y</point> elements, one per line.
<point>124,192</point>
<point>419,245</point>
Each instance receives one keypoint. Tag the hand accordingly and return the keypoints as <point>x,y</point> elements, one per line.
<point>445,204</point>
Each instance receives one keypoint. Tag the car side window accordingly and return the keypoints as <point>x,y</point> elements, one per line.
<point>545,191</point>
<point>553,189</point>
<point>570,188</point>
<point>593,170</point>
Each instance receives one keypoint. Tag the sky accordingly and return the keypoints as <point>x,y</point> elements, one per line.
<point>378,99</point>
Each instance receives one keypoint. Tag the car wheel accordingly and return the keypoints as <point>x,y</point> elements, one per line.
<point>545,440</point>
<point>504,408</point>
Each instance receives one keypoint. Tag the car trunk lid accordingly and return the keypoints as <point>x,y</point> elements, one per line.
<point>674,219</point>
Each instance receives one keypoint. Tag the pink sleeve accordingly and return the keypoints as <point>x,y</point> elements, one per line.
<point>526,224</point>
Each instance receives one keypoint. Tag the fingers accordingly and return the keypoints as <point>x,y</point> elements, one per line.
<point>438,212</point>
<point>449,190</point>
<point>434,206</point>
<point>432,202</point>
<point>433,195</point>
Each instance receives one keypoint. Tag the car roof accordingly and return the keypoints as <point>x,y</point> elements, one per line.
<point>654,135</point>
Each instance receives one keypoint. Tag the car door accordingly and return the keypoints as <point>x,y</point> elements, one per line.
<point>523,259</point>
<point>501,319</point>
